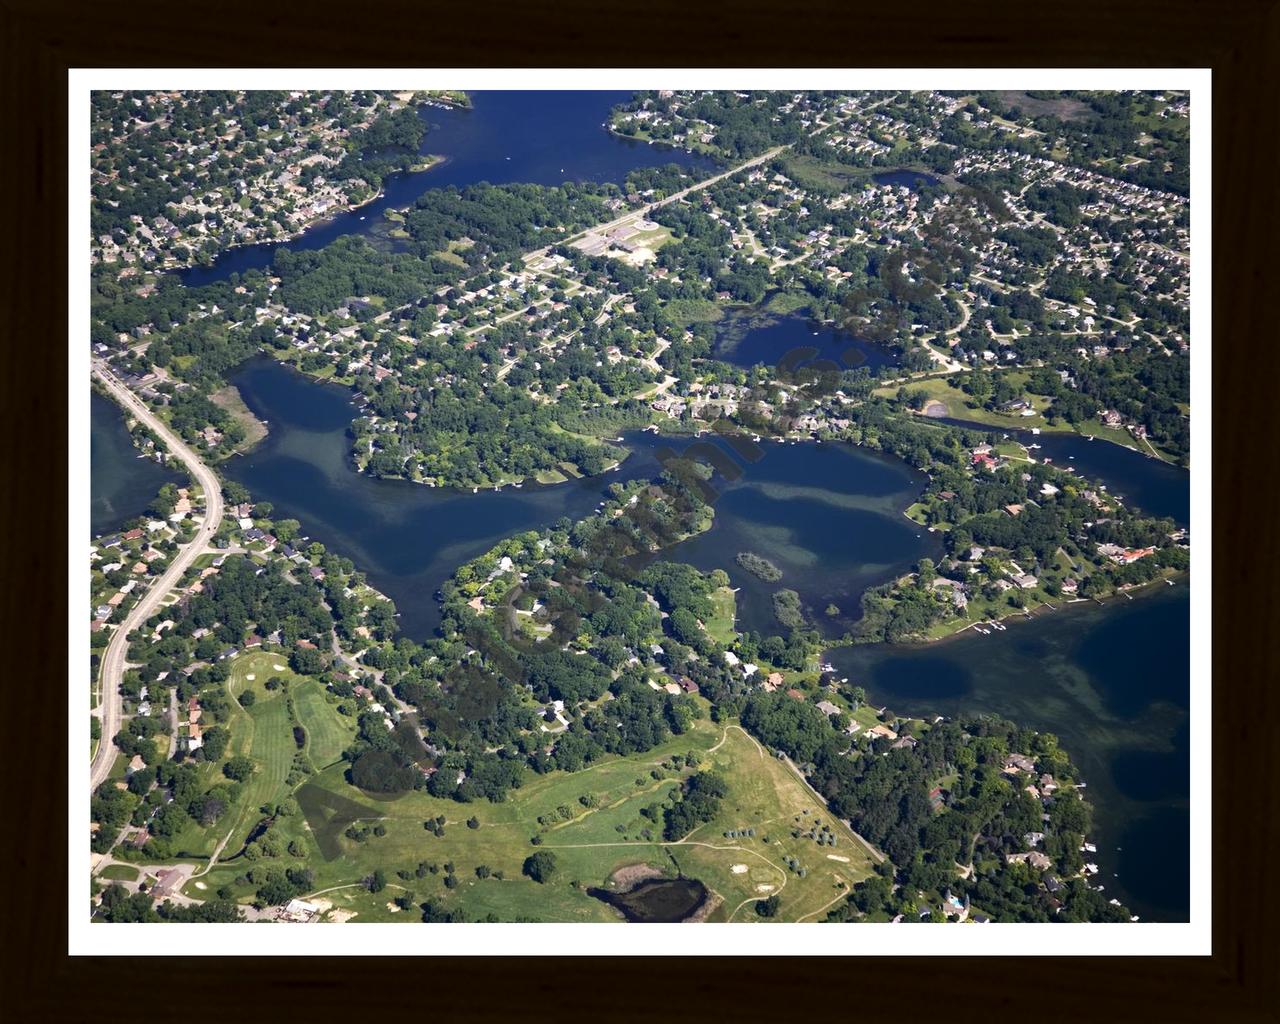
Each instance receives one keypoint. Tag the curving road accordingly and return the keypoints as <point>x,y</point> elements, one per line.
<point>113,661</point>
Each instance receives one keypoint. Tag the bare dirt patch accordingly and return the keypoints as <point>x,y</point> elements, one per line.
<point>630,875</point>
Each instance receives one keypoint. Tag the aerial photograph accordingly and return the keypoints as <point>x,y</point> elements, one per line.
<point>676,505</point>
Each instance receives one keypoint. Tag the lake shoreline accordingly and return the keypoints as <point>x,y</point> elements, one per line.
<point>933,643</point>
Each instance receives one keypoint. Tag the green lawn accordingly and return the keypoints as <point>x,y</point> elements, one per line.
<point>692,311</point>
<point>590,842</point>
<point>264,733</point>
<point>720,625</point>
<point>328,732</point>
<point>959,406</point>
<point>119,873</point>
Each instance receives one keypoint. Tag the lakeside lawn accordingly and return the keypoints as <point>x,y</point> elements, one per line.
<point>590,840</point>
<point>229,399</point>
<point>959,406</point>
<point>720,625</point>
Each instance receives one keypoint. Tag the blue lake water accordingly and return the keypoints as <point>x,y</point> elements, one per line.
<point>911,179</point>
<point>1156,487</point>
<point>121,485</point>
<point>1113,683</point>
<point>529,137</point>
<point>751,337</point>
<point>829,515</point>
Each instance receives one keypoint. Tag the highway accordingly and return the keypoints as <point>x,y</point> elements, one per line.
<point>113,661</point>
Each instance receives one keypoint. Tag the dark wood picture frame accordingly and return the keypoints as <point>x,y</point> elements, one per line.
<point>1238,39</point>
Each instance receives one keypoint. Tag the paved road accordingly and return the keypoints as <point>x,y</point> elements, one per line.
<point>626,218</point>
<point>113,661</point>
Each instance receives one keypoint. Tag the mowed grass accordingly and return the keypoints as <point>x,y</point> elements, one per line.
<point>720,625</point>
<point>767,794</point>
<point>328,732</point>
<point>590,840</point>
<point>264,733</point>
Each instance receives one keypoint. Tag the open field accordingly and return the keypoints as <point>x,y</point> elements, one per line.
<point>254,429</point>
<point>960,406</point>
<point>590,838</point>
<point>328,732</point>
<point>720,625</point>
<point>264,732</point>
<point>1065,108</point>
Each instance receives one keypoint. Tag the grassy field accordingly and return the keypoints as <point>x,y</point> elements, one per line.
<point>959,406</point>
<point>826,175</point>
<point>788,302</point>
<point>328,733</point>
<point>720,626</point>
<point>693,311</point>
<point>119,873</point>
<point>255,430</point>
<point>264,732</point>
<point>591,821</point>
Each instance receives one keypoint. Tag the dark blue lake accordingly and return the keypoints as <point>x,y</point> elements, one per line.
<point>911,179</point>
<point>121,485</point>
<point>529,137</point>
<point>1113,683</point>
<point>752,336</point>
<point>828,515</point>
